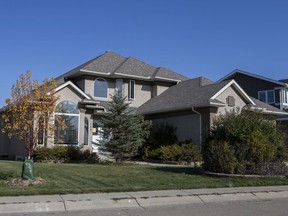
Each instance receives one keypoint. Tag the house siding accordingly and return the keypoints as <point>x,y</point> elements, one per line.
<point>252,85</point>
<point>187,125</point>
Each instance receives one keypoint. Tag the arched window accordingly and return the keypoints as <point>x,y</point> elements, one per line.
<point>68,113</point>
<point>100,88</point>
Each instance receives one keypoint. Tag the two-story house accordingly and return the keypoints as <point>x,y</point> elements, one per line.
<point>270,91</point>
<point>157,93</point>
<point>84,93</point>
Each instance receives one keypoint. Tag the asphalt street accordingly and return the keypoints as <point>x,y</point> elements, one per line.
<point>273,207</point>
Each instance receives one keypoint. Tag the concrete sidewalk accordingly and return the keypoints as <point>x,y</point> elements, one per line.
<point>74,202</point>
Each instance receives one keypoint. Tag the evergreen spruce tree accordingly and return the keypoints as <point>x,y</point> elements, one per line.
<point>122,129</point>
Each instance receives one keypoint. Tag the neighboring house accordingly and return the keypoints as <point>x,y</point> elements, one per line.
<point>155,92</point>
<point>192,105</point>
<point>84,94</point>
<point>270,91</point>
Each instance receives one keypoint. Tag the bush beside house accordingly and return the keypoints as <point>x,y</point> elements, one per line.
<point>162,145</point>
<point>60,154</point>
<point>245,143</point>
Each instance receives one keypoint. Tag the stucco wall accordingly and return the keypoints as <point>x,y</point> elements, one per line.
<point>239,101</point>
<point>143,93</point>
<point>11,147</point>
<point>159,88</point>
<point>188,126</point>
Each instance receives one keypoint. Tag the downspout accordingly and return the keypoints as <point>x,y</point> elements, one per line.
<point>200,131</point>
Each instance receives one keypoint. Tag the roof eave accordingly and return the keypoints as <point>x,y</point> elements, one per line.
<point>228,76</point>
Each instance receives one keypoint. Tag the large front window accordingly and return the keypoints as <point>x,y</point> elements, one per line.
<point>66,131</point>
<point>100,88</point>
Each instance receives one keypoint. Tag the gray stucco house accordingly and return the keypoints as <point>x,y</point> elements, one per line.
<point>157,93</point>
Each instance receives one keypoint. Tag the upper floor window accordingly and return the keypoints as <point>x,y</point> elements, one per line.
<point>100,88</point>
<point>119,86</point>
<point>267,96</point>
<point>131,89</point>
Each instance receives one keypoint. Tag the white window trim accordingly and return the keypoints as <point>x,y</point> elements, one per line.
<point>129,93</point>
<point>67,114</point>
<point>266,96</point>
<point>107,93</point>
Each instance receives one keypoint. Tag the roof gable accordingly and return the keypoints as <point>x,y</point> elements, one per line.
<point>196,92</point>
<point>238,88</point>
<point>73,86</point>
<point>237,71</point>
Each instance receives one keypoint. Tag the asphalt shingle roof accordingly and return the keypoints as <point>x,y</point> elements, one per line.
<point>111,63</point>
<point>193,92</point>
<point>265,105</point>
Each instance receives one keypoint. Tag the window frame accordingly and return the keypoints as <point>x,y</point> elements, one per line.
<point>107,88</point>
<point>86,126</point>
<point>266,96</point>
<point>68,114</point>
<point>131,83</point>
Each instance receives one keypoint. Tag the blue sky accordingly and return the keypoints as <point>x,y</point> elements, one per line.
<point>194,37</point>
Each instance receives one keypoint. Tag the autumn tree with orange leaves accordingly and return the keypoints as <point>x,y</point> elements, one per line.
<point>29,111</point>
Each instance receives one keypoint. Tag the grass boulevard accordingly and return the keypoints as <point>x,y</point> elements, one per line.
<point>93,178</point>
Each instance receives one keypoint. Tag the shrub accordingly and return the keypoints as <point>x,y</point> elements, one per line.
<point>43,154</point>
<point>162,135</point>
<point>60,154</point>
<point>219,157</point>
<point>179,153</point>
<point>241,142</point>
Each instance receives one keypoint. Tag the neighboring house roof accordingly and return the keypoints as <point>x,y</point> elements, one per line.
<point>111,64</point>
<point>198,92</point>
<point>284,80</point>
<point>237,71</point>
<point>266,108</point>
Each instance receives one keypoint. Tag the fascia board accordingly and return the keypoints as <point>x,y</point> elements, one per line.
<point>74,87</point>
<point>252,75</point>
<point>241,91</point>
<point>95,72</point>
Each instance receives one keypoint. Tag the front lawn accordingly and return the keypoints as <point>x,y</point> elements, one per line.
<point>91,178</point>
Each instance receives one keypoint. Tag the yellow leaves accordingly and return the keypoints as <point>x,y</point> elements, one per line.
<point>28,103</point>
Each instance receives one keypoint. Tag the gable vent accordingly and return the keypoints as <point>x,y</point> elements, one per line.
<point>230,100</point>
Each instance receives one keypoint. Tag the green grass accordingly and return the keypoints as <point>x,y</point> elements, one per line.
<point>91,178</point>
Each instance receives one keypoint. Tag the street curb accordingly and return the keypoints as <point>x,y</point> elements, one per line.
<point>145,199</point>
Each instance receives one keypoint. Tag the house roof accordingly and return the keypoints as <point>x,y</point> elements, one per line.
<point>237,71</point>
<point>284,81</point>
<point>111,64</point>
<point>73,86</point>
<point>266,108</point>
<point>198,92</point>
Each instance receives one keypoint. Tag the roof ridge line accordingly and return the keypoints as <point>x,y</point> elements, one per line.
<point>155,72</point>
<point>126,59</point>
